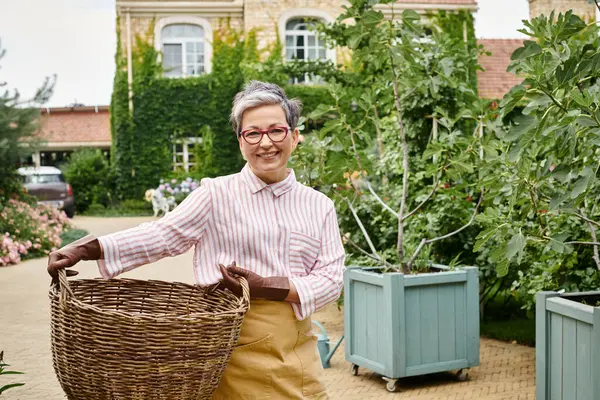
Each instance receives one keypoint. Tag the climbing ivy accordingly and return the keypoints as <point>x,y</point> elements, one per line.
<point>167,109</point>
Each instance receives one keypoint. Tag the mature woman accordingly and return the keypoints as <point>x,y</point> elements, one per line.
<point>264,225</point>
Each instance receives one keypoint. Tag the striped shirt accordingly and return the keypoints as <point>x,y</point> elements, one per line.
<point>282,229</point>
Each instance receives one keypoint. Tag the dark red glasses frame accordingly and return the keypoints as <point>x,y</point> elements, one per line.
<point>264,132</point>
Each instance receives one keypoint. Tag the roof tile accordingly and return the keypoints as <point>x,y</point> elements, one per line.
<point>75,126</point>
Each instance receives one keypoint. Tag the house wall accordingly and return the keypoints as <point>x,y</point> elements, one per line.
<point>581,8</point>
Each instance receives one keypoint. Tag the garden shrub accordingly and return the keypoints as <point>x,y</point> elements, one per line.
<point>29,231</point>
<point>88,173</point>
<point>72,235</point>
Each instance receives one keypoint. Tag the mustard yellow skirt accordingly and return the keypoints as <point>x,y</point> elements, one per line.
<point>276,357</point>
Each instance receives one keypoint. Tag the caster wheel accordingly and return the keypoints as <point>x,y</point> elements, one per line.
<point>354,369</point>
<point>462,375</point>
<point>391,385</point>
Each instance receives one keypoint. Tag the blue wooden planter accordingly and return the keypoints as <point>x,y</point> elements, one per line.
<point>404,325</point>
<point>567,347</point>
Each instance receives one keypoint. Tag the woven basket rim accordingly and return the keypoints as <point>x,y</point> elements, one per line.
<point>54,293</point>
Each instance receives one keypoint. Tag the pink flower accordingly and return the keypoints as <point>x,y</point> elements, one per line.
<point>37,246</point>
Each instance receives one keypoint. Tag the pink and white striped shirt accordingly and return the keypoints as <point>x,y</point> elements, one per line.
<point>282,229</point>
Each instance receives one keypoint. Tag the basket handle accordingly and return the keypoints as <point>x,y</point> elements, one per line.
<point>63,286</point>
<point>245,290</point>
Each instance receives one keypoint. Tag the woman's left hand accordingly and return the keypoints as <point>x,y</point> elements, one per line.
<point>274,288</point>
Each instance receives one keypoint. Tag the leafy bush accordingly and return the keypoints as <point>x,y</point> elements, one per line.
<point>72,235</point>
<point>136,205</point>
<point>29,231</point>
<point>88,173</point>
<point>126,208</point>
<point>542,170</point>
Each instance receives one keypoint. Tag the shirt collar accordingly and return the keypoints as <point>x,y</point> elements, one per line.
<point>255,184</point>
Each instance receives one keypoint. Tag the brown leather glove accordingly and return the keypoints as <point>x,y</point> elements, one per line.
<point>274,288</point>
<point>86,248</point>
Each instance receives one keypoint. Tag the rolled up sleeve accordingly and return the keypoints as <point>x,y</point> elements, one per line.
<point>169,236</point>
<point>324,283</point>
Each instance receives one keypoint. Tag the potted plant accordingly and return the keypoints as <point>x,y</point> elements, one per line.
<point>546,194</point>
<point>405,315</point>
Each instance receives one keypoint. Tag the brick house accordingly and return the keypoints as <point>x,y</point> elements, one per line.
<point>66,129</point>
<point>183,32</point>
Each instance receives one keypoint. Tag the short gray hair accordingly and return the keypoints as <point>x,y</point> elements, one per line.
<point>256,94</point>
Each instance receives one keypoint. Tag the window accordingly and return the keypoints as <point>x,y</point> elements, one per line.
<point>303,43</point>
<point>184,156</point>
<point>41,179</point>
<point>183,50</point>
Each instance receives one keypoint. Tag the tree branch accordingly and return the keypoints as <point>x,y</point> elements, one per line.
<point>366,253</point>
<point>597,5</point>
<point>380,200</point>
<point>586,219</point>
<point>400,242</point>
<point>425,242</point>
<point>362,228</point>
<point>596,256</point>
<point>349,128</point>
<point>556,102</point>
<point>435,188</point>
<point>586,243</point>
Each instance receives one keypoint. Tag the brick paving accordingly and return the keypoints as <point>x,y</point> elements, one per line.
<point>507,371</point>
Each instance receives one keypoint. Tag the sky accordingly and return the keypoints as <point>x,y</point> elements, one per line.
<point>76,41</point>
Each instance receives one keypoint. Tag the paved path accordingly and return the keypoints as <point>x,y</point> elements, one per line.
<point>507,371</point>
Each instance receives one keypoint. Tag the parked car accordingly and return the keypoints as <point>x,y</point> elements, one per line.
<point>48,184</point>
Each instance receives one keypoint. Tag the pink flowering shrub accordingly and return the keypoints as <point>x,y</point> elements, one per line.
<point>29,231</point>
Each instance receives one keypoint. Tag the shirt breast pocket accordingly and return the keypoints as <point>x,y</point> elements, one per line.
<point>304,250</point>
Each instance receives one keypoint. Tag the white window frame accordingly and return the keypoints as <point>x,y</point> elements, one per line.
<point>299,13</point>
<point>188,148</point>
<point>189,20</point>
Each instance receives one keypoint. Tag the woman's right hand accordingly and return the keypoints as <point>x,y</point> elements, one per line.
<point>86,248</point>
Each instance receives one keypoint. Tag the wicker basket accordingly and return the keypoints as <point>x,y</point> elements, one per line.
<point>133,339</point>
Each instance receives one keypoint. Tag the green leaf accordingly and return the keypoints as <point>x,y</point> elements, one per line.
<point>502,268</point>
<point>483,238</point>
<point>586,120</point>
<point>515,246</point>
<point>567,71</point>
<point>579,98</point>
<point>12,385</point>
<point>557,201</point>
<point>410,15</point>
<point>515,153</point>
<point>580,186</point>
<point>557,243</point>
<point>528,50</point>
<point>372,18</point>
<point>512,98</point>
<point>320,111</point>
<point>525,123</point>
<point>355,40</point>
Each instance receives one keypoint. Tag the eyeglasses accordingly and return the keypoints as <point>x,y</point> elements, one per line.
<point>255,136</point>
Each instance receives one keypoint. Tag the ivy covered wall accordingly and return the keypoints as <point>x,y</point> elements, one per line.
<point>165,109</point>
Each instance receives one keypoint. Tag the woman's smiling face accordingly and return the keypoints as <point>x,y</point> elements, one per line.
<point>267,159</point>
